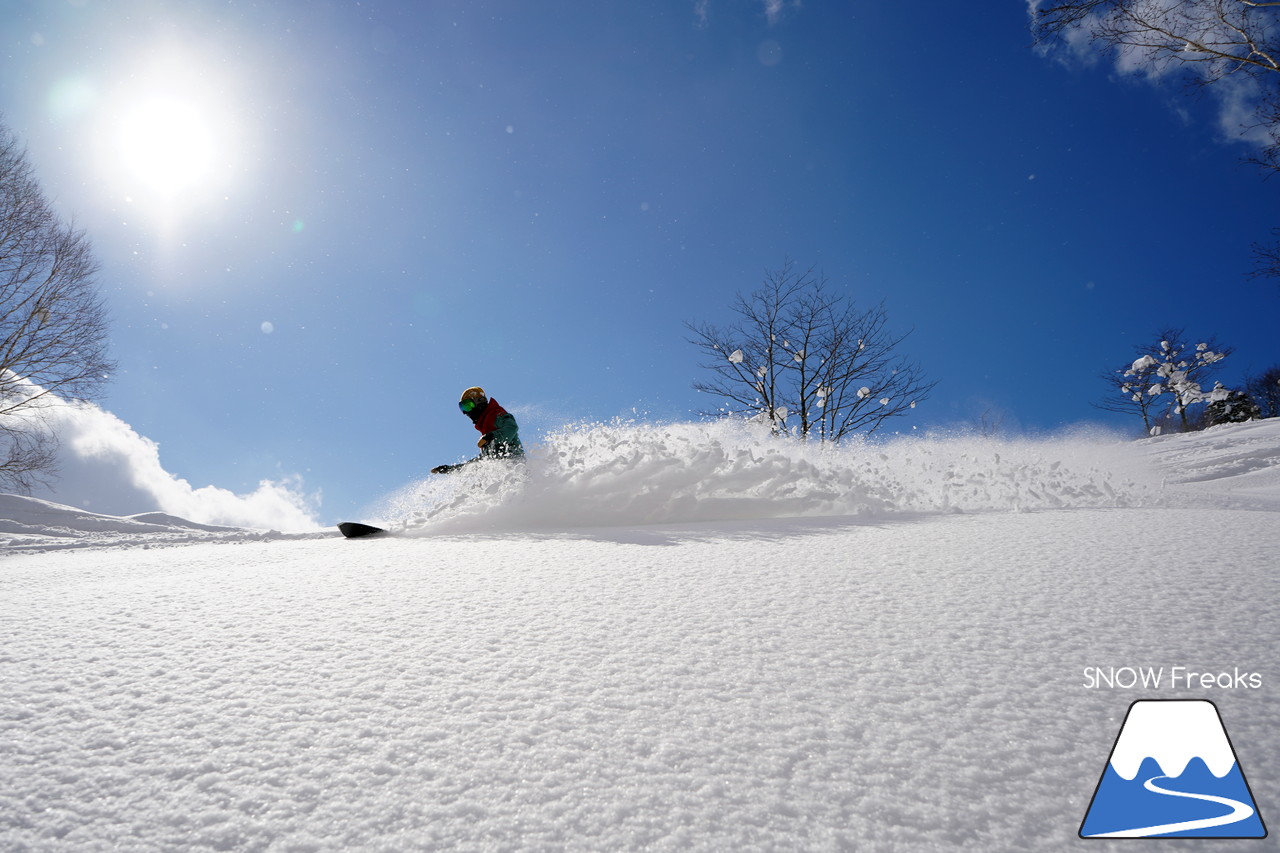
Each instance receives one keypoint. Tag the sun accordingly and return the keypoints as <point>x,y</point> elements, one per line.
<point>166,143</point>
<point>169,140</point>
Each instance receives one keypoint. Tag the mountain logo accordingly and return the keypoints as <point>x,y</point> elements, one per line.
<point>1172,773</point>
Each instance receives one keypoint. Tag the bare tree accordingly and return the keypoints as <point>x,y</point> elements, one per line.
<point>1228,46</point>
<point>1207,43</point>
<point>990,422</point>
<point>1224,36</point>
<point>1265,391</point>
<point>800,350</point>
<point>1215,39</point>
<point>53,325</point>
<point>1266,258</point>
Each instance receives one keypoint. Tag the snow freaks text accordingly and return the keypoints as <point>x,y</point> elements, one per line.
<point>1170,678</point>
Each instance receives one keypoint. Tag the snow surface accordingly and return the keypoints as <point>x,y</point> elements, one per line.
<point>670,637</point>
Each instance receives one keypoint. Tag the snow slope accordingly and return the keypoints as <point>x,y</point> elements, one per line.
<point>1239,465</point>
<point>888,654</point>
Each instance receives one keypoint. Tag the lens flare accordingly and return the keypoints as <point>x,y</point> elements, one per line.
<point>71,98</point>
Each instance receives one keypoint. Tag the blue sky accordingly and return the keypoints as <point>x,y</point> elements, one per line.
<point>353,211</point>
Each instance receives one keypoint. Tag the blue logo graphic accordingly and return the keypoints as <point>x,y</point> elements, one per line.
<point>1173,773</point>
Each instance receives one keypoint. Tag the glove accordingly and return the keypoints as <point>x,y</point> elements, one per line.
<point>483,441</point>
<point>444,469</point>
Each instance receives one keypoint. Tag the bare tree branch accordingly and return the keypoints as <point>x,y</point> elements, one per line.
<point>804,356</point>
<point>1266,258</point>
<point>1202,41</point>
<point>53,324</point>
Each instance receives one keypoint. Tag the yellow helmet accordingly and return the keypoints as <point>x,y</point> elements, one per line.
<point>473,398</point>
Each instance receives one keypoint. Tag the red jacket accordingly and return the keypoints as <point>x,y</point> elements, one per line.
<point>500,428</point>
<point>488,419</point>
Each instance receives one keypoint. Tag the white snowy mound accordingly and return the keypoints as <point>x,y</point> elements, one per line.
<point>34,524</point>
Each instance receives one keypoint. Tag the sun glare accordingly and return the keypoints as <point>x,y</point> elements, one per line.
<point>169,140</point>
<point>166,143</point>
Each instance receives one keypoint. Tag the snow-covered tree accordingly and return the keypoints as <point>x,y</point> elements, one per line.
<point>1166,379</point>
<point>803,357</point>
<point>1131,391</point>
<point>1231,407</point>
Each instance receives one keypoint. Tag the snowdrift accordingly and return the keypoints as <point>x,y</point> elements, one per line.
<point>631,473</point>
<point>28,523</point>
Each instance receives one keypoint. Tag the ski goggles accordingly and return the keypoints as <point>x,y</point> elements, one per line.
<point>467,406</point>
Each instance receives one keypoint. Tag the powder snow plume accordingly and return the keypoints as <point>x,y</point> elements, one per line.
<point>633,473</point>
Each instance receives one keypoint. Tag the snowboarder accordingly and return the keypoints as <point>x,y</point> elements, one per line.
<point>499,433</point>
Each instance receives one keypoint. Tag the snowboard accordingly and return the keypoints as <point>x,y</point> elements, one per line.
<point>356,530</point>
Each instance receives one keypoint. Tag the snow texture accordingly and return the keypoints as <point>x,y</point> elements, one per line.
<point>647,637</point>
